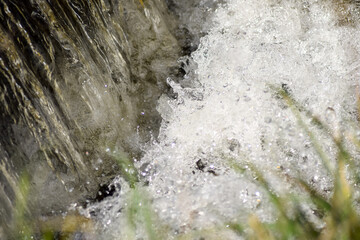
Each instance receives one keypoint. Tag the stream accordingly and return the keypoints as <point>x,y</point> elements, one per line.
<point>181,89</point>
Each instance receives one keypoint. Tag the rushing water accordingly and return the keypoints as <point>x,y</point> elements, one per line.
<point>224,108</point>
<point>84,81</point>
<point>77,77</point>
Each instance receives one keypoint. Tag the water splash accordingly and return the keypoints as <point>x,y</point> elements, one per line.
<point>232,113</point>
<point>225,109</point>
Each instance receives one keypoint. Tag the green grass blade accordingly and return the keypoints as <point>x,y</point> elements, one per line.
<point>316,144</point>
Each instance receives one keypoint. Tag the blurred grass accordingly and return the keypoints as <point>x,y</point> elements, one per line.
<point>340,218</point>
<point>22,225</point>
<point>54,228</point>
<point>338,214</point>
<point>141,216</point>
<point>127,169</point>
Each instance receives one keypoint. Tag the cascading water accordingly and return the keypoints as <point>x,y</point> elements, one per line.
<point>77,78</point>
<point>225,108</point>
<point>84,81</point>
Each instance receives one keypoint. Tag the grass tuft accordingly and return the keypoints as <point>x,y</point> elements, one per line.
<point>338,215</point>
<point>340,218</point>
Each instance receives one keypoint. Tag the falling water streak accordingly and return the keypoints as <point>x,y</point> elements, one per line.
<point>76,76</point>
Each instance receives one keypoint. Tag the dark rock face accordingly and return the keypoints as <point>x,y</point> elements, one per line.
<point>77,77</point>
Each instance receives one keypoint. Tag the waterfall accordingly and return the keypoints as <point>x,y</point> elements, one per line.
<point>181,92</point>
<point>77,78</point>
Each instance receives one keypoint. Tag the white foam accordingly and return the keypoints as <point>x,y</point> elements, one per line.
<point>231,113</point>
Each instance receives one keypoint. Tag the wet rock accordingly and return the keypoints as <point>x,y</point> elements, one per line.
<point>200,165</point>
